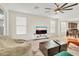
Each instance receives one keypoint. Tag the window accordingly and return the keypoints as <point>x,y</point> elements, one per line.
<point>21,25</point>
<point>64,27</point>
<point>78,26</point>
<point>52,26</point>
<point>2,22</point>
<point>1,27</point>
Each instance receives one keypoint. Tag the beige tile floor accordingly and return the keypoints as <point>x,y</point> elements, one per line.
<point>74,50</point>
<point>70,50</point>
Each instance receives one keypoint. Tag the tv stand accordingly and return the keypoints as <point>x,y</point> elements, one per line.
<point>41,36</point>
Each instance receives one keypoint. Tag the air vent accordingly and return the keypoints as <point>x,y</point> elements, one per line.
<point>36,7</point>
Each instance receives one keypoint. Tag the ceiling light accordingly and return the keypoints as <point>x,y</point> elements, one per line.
<point>57,11</point>
<point>36,7</point>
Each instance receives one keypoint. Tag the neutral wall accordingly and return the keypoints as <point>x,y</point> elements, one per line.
<point>32,22</point>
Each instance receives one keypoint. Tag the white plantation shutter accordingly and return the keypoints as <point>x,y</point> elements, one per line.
<point>21,25</point>
<point>64,27</point>
<point>78,26</point>
<point>52,26</point>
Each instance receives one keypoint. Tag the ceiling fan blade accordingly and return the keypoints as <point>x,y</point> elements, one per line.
<point>68,9</point>
<point>71,5</point>
<point>48,8</point>
<point>47,11</point>
<point>56,4</point>
<point>61,11</point>
<point>63,5</point>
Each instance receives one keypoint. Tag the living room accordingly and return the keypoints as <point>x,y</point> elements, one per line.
<point>39,23</point>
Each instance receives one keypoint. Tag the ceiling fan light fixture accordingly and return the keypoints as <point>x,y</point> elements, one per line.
<point>64,7</point>
<point>57,11</point>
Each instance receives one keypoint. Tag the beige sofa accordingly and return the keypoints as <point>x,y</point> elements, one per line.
<point>14,47</point>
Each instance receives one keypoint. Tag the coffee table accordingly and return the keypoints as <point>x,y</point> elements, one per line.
<point>52,47</point>
<point>63,45</point>
<point>49,48</point>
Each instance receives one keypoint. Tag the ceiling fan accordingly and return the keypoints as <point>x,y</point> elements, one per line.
<point>64,7</point>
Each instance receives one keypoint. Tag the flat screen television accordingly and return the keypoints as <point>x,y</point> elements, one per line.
<point>41,31</point>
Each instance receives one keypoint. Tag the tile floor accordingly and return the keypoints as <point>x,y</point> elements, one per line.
<point>71,49</point>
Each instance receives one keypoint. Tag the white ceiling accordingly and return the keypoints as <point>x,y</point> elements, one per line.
<point>30,8</point>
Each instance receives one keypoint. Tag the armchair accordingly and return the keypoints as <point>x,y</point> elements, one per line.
<point>74,41</point>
